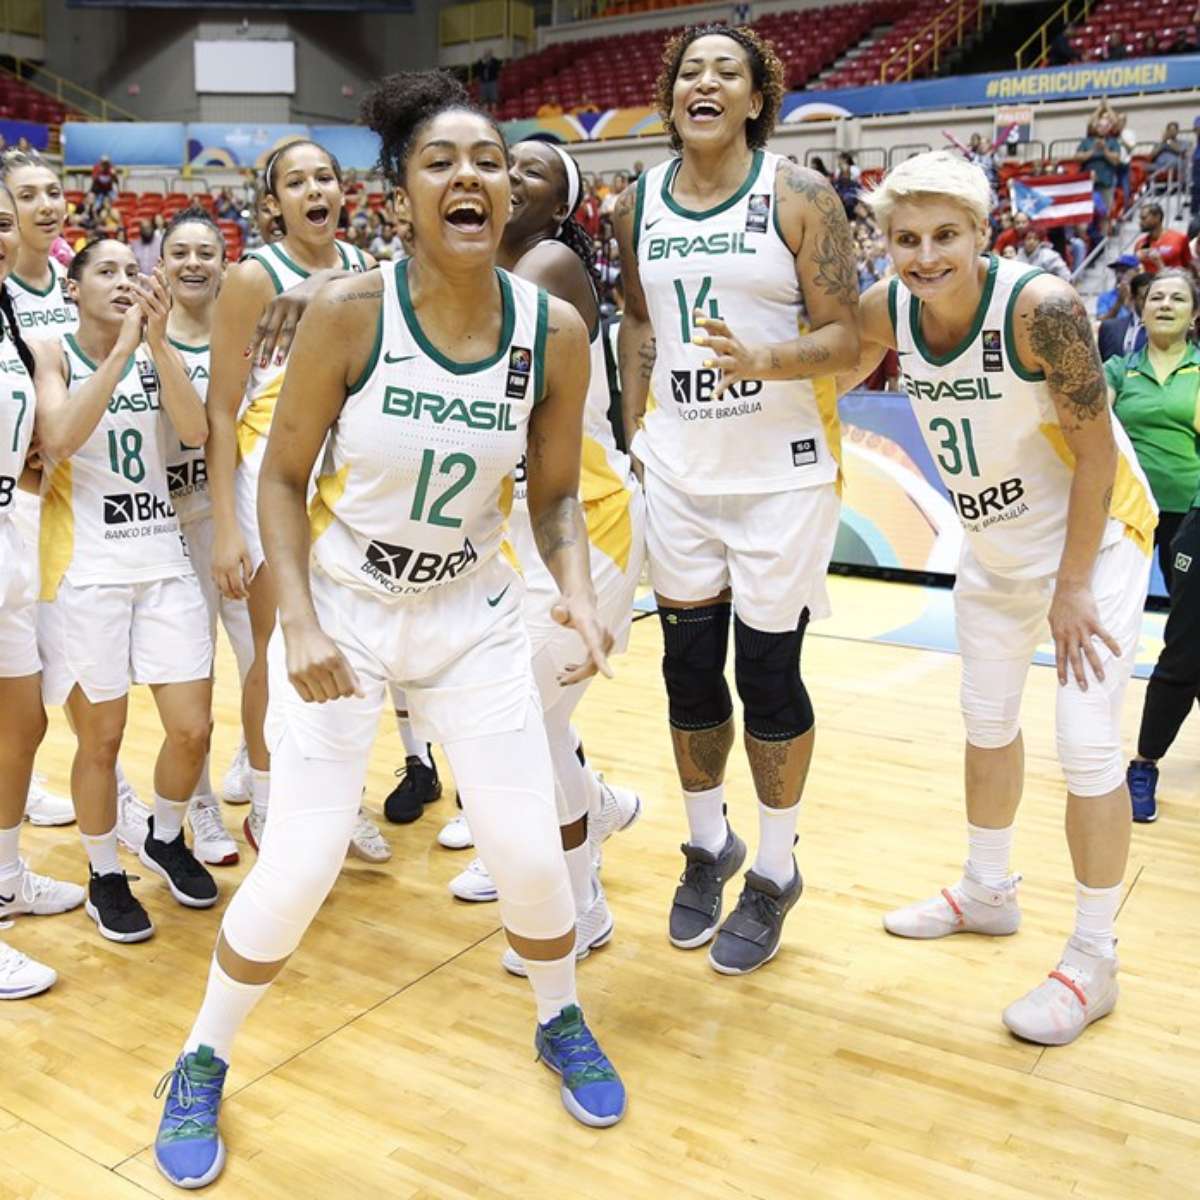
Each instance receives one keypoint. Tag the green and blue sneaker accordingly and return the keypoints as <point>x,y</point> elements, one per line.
<point>188,1148</point>
<point>592,1091</point>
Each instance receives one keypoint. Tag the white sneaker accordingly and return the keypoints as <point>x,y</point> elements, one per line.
<point>45,808</point>
<point>211,842</point>
<point>252,828</point>
<point>132,819</point>
<point>619,809</point>
<point>367,842</point>
<point>37,894</point>
<point>1081,989</point>
<point>475,883</point>
<point>21,976</point>
<point>592,930</point>
<point>456,834</point>
<point>967,907</point>
<point>235,787</point>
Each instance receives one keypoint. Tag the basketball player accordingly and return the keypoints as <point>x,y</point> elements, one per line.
<point>426,376</point>
<point>193,260</point>
<point>37,285</point>
<point>23,720</point>
<point>304,190</point>
<point>740,451</point>
<point>120,601</point>
<point>1001,368</point>
<point>542,243</point>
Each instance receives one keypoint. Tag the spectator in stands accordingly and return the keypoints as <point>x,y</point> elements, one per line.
<point>104,183</point>
<point>550,107</point>
<point>984,154</point>
<point>147,246</point>
<point>1038,253</point>
<point>1116,301</point>
<point>1114,48</point>
<point>389,243</point>
<point>1100,152</point>
<point>1126,334</point>
<point>588,212</point>
<point>818,164</point>
<point>487,72</point>
<point>1011,232</point>
<point>1167,156</point>
<point>619,184</point>
<point>1061,50</point>
<point>846,182</point>
<point>1159,247</point>
<point>1156,396</point>
<point>1076,248</point>
<point>638,170</point>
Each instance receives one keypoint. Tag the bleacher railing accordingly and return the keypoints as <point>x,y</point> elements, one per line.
<point>1035,50</point>
<point>86,102</point>
<point>929,45</point>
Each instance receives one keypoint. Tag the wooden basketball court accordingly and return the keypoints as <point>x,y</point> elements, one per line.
<point>394,1056</point>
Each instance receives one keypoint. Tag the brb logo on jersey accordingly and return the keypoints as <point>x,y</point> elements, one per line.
<point>689,387</point>
<point>401,569</point>
<point>137,515</point>
<point>185,478</point>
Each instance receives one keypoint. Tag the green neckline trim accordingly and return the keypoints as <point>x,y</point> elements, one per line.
<point>373,361</point>
<point>690,214</point>
<point>1010,332</point>
<point>28,287</point>
<point>638,209</point>
<point>539,346</point>
<point>70,337</point>
<point>914,321</point>
<point>189,349</point>
<point>507,324</point>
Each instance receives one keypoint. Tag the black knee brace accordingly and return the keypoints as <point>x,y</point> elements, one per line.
<point>695,642</point>
<point>767,670</point>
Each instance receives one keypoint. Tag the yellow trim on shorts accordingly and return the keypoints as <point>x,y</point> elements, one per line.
<point>1131,502</point>
<point>597,479</point>
<point>610,526</point>
<point>825,392</point>
<point>255,422</point>
<point>651,404</point>
<point>509,554</point>
<point>330,489</point>
<point>56,536</point>
<point>505,500</point>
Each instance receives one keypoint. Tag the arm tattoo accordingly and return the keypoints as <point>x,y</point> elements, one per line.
<point>350,297</point>
<point>648,353</point>
<point>1107,500</point>
<point>1061,336</point>
<point>832,247</point>
<point>625,202</point>
<point>556,529</point>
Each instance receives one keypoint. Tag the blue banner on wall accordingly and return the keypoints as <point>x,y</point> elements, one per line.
<point>38,136</point>
<point>354,146</point>
<point>127,143</point>
<point>244,145</point>
<point>1077,82</point>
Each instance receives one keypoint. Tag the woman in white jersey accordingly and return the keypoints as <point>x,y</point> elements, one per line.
<point>23,724</point>
<point>1001,368</point>
<point>740,451</point>
<point>120,601</point>
<point>542,243</point>
<point>193,261</point>
<point>37,292</point>
<point>426,377</point>
<point>303,186</point>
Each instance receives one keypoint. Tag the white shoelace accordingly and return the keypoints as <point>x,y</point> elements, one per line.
<point>11,960</point>
<point>207,824</point>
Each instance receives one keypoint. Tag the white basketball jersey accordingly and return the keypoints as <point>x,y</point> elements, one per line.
<point>605,478</point>
<point>992,429</point>
<point>106,511</point>
<point>730,262</point>
<point>17,404</point>
<point>416,480</point>
<point>265,383</point>
<point>187,472</point>
<point>47,313</point>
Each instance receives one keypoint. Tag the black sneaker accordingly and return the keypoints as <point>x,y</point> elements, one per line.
<point>116,910</point>
<point>189,882</point>
<point>696,909</point>
<point>751,933</point>
<point>419,785</point>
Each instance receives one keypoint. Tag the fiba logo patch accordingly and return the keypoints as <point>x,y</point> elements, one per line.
<point>1183,562</point>
<point>388,560</point>
<point>520,364</point>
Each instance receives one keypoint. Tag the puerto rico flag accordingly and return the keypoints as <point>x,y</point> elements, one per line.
<point>1053,199</point>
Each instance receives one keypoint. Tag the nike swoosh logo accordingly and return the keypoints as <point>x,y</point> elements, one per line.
<point>494,600</point>
<point>651,224</point>
<point>10,899</point>
<point>389,358</point>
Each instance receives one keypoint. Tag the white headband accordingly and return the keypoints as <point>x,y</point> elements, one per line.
<point>574,179</point>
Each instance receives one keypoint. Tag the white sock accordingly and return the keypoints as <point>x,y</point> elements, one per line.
<point>1096,914</point>
<point>102,852</point>
<point>227,1003</point>
<point>413,745</point>
<point>579,868</point>
<point>776,837</point>
<point>553,985</point>
<point>706,818</point>
<point>260,792</point>
<point>204,783</point>
<point>168,818</point>
<point>122,782</point>
<point>988,853</point>
<point>10,851</point>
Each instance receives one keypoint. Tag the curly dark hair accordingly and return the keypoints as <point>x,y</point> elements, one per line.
<point>399,105</point>
<point>195,215</point>
<point>766,76</point>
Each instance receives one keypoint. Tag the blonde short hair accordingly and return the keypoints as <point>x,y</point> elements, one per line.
<point>944,174</point>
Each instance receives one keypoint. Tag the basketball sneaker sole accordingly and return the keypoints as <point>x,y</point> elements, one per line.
<point>141,935</point>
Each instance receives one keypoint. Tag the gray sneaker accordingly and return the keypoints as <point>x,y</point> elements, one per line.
<point>696,909</point>
<point>751,933</point>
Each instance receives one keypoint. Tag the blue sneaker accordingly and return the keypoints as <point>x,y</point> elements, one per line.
<point>188,1148</point>
<point>1142,778</point>
<point>592,1092</point>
